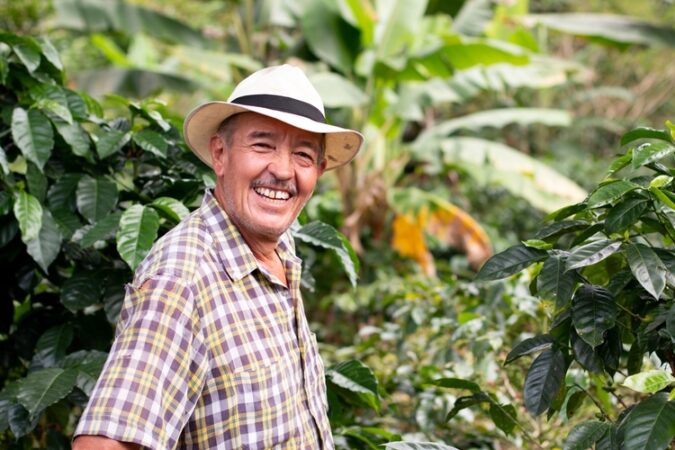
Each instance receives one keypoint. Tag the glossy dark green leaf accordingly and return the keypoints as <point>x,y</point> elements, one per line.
<point>67,221</point>
<point>136,234</point>
<point>554,281</point>
<point>152,142</point>
<point>584,435</point>
<point>467,402</point>
<point>636,357</point>
<point>543,381</point>
<point>592,253</point>
<point>357,378</point>
<point>620,162</point>
<point>574,402</point>
<point>45,387</point>
<point>322,235</point>
<point>611,350</point>
<point>51,99</point>
<point>28,212</point>
<point>556,229</point>
<point>644,133</point>
<point>170,207</point>
<point>586,355</point>
<point>650,152</point>
<point>510,261</point>
<point>610,192</point>
<point>75,137</point>
<point>28,51</point>
<point>46,246</point>
<point>650,424</point>
<point>625,214</point>
<point>609,441</point>
<point>457,383</point>
<point>61,194</point>
<point>88,365</point>
<point>110,141</point>
<point>49,52</point>
<point>20,422</point>
<point>32,132</point>
<point>82,289</point>
<point>647,268</point>
<point>95,197</point>
<point>504,416</point>
<point>593,313</point>
<point>530,345</point>
<point>51,347</point>
<point>102,230</point>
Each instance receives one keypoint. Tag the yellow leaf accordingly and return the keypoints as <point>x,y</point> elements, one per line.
<point>408,239</point>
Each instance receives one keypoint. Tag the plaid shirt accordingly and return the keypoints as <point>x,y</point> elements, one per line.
<point>211,350</point>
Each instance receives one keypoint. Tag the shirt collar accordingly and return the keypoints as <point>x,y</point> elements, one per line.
<point>235,254</point>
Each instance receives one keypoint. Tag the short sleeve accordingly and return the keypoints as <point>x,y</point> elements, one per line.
<point>155,370</point>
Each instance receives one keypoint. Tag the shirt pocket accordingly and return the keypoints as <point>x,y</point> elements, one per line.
<point>264,407</point>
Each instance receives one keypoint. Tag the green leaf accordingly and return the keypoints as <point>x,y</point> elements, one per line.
<point>323,235</point>
<point>473,17</point>
<point>625,214</point>
<point>28,212</point>
<point>152,142</point>
<point>102,230</point>
<point>401,445</point>
<point>609,441</point>
<point>610,192</point>
<point>75,137</point>
<point>337,91</point>
<point>82,289</point>
<point>88,365</point>
<point>357,378</point>
<point>530,345</point>
<point>95,197</point>
<point>28,51</point>
<point>647,268</point>
<point>328,36</point>
<point>4,164</point>
<point>538,244</point>
<point>585,435</point>
<point>51,347</point>
<point>662,196</point>
<point>504,416</point>
<point>46,246</point>
<point>52,100</point>
<point>136,234</point>
<point>650,381</point>
<point>467,402</point>
<point>593,312</point>
<point>49,52</point>
<point>563,227</point>
<point>644,133</point>
<point>585,354</point>
<point>32,132</point>
<point>650,424</point>
<point>20,422</point>
<point>510,261</point>
<point>110,142</point>
<point>61,194</point>
<point>592,253</point>
<point>620,162</point>
<point>170,207</point>
<point>45,387</point>
<point>554,281</point>
<point>543,381</point>
<point>574,402</point>
<point>650,152</point>
<point>456,383</point>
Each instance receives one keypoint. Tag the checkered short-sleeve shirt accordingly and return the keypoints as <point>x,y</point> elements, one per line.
<point>211,351</point>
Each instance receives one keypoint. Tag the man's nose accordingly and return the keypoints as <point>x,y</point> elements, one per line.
<point>281,165</point>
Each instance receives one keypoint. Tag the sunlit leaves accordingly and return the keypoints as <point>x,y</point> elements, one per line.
<point>650,381</point>
<point>137,231</point>
<point>610,192</point>
<point>650,152</point>
<point>591,253</point>
<point>643,133</point>
<point>593,313</point>
<point>46,246</point>
<point>356,381</point>
<point>28,212</point>
<point>170,207</point>
<point>543,381</point>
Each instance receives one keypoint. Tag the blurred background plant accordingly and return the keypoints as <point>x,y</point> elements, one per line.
<point>481,117</point>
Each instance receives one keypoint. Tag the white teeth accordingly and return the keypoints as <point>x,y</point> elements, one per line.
<point>269,193</point>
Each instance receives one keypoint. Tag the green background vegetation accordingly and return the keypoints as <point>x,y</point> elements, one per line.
<point>504,241</point>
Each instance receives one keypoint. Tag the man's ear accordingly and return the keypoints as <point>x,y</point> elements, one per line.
<point>322,166</point>
<point>217,148</point>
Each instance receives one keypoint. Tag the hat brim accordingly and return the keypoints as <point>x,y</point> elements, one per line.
<point>341,144</point>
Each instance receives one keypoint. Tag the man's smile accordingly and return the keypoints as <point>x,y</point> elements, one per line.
<point>272,193</point>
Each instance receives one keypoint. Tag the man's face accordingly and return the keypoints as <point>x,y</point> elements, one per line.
<point>266,176</point>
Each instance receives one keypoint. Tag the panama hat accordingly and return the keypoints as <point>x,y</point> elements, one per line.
<point>283,93</point>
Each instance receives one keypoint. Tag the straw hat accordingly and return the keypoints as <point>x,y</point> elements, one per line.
<point>283,93</point>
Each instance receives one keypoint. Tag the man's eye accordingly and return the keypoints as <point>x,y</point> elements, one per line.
<point>305,155</point>
<point>263,145</point>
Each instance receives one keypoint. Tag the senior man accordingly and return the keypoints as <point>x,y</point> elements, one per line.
<point>213,349</point>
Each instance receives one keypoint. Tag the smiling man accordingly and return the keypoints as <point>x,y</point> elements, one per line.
<point>213,349</point>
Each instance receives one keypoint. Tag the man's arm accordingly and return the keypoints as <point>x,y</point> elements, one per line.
<point>87,442</point>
